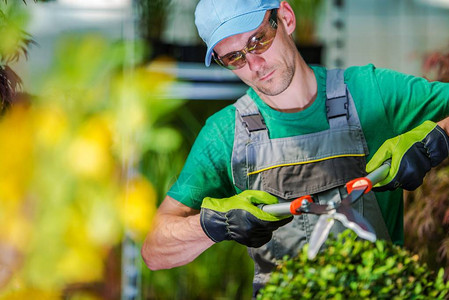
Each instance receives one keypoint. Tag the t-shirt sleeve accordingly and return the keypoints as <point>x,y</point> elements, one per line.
<point>207,170</point>
<point>410,100</point>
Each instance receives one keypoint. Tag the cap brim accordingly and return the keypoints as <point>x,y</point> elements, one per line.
<point>237,25</point>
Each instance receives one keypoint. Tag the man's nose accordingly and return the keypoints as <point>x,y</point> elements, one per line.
<point>255,61</point>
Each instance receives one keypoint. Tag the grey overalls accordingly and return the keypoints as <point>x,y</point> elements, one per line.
<point>317,164</point>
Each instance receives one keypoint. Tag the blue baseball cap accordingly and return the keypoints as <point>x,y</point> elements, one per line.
<point>219,19</point>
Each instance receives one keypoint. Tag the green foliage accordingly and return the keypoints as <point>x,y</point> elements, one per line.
<point>426,219</point>
<point>225,270</point>
<point>306,12</point>
<point>24,1</point>
<point>152,16</point>
<point>355,269</point>
<point>13,18</point>
<point>14,43</point>
<point>222,272</point>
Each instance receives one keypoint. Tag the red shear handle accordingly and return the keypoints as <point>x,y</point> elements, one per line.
<point>297,203</point>
<point>371,179</point>
<point>359,183</point>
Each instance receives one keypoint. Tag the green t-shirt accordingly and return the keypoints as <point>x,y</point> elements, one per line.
<point>388,103</point>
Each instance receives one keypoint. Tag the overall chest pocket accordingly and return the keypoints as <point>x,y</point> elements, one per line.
<point>289,182</point>
<point>292,167</point>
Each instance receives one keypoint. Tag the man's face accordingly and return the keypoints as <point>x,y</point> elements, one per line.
<point>269,73</point>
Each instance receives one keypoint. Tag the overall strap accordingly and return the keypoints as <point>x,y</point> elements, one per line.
<point>250,118</point>
<point>341,110</point>
<point>249,127</point>
<point>337,103</point>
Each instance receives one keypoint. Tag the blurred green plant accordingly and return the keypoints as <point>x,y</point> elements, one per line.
<point>14,44</point>
<point>426,219</point>
<point>307,14</point>
<point>355,269</point>
<point>224,271</point>
<point>152,16</point>
<point>24,1</point>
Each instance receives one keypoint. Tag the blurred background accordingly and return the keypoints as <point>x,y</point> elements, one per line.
<point>101,102</point>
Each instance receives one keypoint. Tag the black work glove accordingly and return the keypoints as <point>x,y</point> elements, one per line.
<point>412,155</point>
<point>238,218</point>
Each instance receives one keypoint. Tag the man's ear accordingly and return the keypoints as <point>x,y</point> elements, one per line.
<point>286,15</point>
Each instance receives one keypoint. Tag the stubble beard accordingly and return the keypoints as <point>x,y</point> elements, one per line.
<point>273,87</point>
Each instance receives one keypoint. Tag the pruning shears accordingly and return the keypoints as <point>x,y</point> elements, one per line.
<point>332,211</point>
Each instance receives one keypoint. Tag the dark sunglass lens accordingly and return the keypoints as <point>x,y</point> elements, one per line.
<point>239,63</point>
<point>263,46</point>
<point>234,60</point>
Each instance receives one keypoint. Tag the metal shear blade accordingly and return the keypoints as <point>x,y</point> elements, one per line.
<point>349,217</point>
<point>319,234</point>
<point>354,196</point>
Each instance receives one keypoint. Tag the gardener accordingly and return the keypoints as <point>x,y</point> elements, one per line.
<point>299,130</point>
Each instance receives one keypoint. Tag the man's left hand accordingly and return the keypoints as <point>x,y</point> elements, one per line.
<point>412,155</point>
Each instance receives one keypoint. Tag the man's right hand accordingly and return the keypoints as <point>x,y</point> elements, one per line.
<point>238,218</point>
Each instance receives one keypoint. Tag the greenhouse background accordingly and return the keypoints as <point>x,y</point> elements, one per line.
<point>108,99</point>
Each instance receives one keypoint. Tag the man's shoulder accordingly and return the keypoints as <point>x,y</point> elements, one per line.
<point>225,115</point>
<point>354,72</point>
<point>380,78</point>
<point>220,125</point>
<point>362,80</point>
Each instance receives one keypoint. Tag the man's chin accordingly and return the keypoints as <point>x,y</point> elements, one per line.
<point>271,91</point>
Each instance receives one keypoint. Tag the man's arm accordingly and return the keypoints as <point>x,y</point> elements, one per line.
<point>444,124</point>
<point>176,237</point>
<point>180,233</point>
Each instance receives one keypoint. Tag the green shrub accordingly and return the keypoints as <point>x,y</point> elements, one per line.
<point>355,269</point>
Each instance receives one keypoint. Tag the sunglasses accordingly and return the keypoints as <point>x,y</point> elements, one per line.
<point>257,44</point>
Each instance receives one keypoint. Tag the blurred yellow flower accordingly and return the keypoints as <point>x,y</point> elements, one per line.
<point>87,158</point>
<point>97,224</point>
<point>137,206</point>
<point>16,154</point>
<point>103,224</point>
<point>16,230</point>
<point>81,264</point>
<point>31,293</point>
<point>154,78</point>
<point>50,125</point>
<point>89,154</point>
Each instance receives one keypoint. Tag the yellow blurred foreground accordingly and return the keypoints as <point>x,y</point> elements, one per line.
<point>69,179</point>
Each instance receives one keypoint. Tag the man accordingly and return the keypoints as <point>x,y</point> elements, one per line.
<point>299,130</point>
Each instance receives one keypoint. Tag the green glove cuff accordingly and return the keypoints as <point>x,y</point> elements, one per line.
<point>247,200</point>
